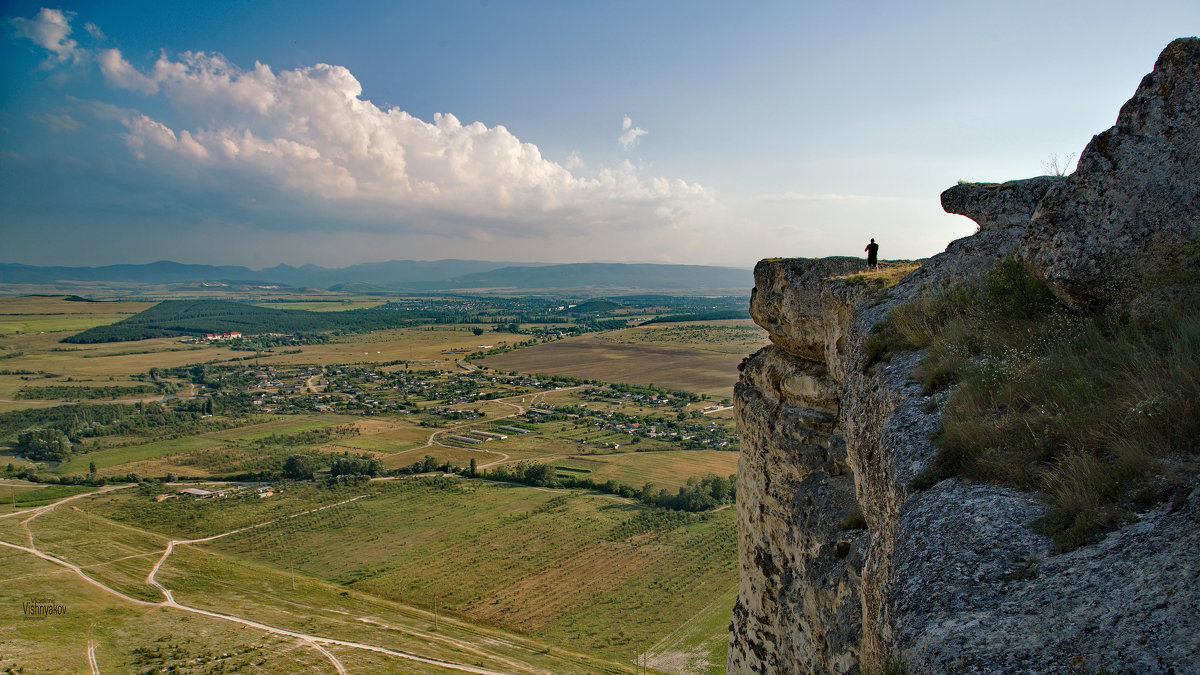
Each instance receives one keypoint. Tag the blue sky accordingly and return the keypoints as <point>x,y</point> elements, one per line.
<point>687,132</point>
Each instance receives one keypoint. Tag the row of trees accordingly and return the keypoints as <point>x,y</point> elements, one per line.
<point>305,467</point>
<point>698,494</point>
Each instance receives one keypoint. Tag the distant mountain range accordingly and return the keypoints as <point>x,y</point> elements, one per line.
<point>406,275</point>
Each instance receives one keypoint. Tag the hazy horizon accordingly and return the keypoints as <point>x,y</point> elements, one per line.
<point>677,132</point>
<point>394,260</point>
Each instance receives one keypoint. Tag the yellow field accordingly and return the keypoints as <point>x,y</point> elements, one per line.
<point>37,314</point>
<point>668,470</point>
<point>424,346</point>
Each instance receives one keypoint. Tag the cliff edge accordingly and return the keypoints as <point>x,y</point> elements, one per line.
<point>850,564</point>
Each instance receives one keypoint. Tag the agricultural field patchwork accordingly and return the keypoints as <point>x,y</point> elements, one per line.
<point>590,357</point>
<point>348,486</point>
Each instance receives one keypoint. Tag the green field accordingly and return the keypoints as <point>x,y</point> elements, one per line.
<point>47,314</point>
<point>667,470</point>
<point>584,571</point>
<point>14,495</point>
<point>134,633</point>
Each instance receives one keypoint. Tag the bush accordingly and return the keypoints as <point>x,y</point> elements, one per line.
<point>356,466</point>
<point>44,445</point>
<point>299,467</point>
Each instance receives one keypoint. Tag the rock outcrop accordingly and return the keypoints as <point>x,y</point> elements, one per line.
<point>1113,227</point>
<point>800,550</point>
<point>845,567</point>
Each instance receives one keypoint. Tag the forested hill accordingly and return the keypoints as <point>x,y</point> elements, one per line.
<point>173,318</point>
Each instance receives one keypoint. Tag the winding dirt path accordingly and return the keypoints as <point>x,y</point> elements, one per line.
<point>91,657</point>
<point>317,642</point>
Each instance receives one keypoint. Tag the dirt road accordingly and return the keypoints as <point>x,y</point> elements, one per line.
<point>317,642</point>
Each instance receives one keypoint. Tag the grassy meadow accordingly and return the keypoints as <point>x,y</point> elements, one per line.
<point>668,470</point>
<point>133,632</point>
<point>585,571</point>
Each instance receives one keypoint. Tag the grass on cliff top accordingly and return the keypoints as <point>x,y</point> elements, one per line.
<point>1092,410</point>
<point>883,277</point>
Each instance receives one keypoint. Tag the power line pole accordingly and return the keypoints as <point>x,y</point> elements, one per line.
<point>435,617</point>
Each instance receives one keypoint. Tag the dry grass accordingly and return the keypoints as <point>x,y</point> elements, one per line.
<point>884,276</point>
<point>1080,407</point>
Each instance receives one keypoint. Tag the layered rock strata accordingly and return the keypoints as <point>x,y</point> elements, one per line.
<point>952,578</point>
<point>800,549</point>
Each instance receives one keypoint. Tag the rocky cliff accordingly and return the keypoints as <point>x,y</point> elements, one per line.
<point>845,567</point>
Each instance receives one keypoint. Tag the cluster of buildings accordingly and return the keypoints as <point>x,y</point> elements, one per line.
<point>200,493</point>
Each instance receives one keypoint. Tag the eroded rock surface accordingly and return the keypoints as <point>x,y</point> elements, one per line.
<point>786,300</point>
<point>1114,226</point>
<point>952,578</point>
<point>800,546</point>
<point>996,206</point>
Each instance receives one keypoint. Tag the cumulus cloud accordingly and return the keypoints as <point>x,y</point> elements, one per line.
<point>307,135</point>
<point>49,30</point>
<point>118,73</point>
<point>61,123</point>
<point>630,134</point>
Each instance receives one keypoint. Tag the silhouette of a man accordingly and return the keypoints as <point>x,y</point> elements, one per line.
<point>872,250</point>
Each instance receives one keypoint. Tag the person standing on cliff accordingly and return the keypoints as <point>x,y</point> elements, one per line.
<point>872,250</point>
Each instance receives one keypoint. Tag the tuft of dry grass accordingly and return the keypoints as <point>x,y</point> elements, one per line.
<point>883,277</point>
<point>1082,408</point>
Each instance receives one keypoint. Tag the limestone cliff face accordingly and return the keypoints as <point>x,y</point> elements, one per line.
<point>952,579</point>
<point>798,606</point>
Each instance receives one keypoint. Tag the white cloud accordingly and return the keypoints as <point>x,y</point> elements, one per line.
<point>61,123</point>
<point>118,73</point>
<point>306,139</point>
<point>49,30</point>
<point>630,134</point>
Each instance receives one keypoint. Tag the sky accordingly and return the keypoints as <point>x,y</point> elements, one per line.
<point>693,132</point>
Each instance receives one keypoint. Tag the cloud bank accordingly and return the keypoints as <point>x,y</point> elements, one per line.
<point>306,139</point>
